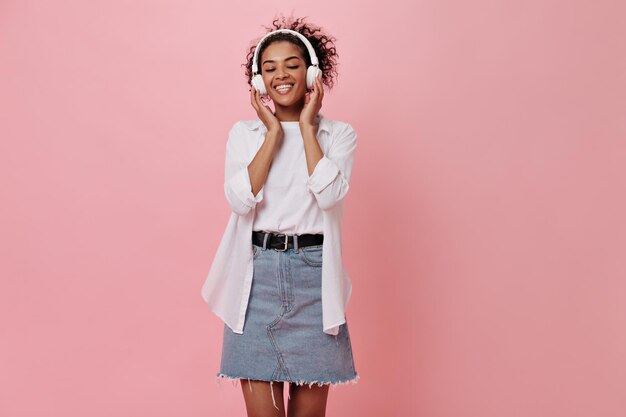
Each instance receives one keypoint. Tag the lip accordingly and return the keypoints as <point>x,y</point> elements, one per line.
<point>284,93</point>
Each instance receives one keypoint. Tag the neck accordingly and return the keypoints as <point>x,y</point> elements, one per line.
<point>290,113</point>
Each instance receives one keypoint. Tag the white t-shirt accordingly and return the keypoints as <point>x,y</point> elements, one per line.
<point>288,206</point>
<point>227,286</point>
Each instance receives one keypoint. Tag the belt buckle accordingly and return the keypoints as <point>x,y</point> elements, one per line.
<point>286,243</point>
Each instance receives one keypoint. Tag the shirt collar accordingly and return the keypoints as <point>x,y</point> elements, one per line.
<point>323,123</point>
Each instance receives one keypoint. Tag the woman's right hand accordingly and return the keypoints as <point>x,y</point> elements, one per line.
<point>270,121</point>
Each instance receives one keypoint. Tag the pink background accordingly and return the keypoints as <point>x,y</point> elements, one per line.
<point>484,229</point>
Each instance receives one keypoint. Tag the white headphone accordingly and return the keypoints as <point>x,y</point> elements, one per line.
<point>311,72</point>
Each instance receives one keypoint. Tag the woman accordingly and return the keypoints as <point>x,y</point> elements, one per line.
<point>277,279</point>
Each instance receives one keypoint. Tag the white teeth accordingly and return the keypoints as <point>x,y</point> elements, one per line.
<point>284,86</point>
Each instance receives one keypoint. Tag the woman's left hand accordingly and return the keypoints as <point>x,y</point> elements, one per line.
<point>312,103</point>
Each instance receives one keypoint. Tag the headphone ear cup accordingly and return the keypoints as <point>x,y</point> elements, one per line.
<point>311,73</point>
<point>259,85</point>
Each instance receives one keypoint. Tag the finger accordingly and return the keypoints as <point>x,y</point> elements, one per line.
<point>264,107</point>
<point>259,101</point>
<point>264,102</point>
<point>321,86</point>
<point>317,92</point>
<point>253,100</point>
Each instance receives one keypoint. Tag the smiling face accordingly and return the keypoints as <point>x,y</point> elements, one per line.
<point>282,63</point>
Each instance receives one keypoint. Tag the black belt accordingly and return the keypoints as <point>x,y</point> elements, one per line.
<point>282,242</point>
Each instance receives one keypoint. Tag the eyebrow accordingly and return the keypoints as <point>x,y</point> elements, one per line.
<point>286,59</point>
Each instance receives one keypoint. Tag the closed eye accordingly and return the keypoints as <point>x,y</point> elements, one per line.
<point>270,70</point>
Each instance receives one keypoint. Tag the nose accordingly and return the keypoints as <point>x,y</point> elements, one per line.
<point>281,73</point>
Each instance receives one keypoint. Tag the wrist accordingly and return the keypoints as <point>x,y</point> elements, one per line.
<point>307,126</point>
<point>274,135</point>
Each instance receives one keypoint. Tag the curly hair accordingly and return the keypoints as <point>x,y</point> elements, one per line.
<point>323,45</point>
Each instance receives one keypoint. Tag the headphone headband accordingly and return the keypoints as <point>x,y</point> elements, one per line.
<point>298,34</point>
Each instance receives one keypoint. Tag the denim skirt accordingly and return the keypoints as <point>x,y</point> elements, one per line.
<point>282,337</point>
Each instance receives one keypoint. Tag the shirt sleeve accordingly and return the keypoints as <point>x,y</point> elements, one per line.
<point>330,179</point>
<point>237,185</point>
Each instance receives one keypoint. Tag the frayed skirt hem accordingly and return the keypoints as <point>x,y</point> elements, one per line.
<point>353,380</point>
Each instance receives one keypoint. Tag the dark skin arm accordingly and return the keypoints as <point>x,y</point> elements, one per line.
<point>312,105</point>
<point>259,167</point>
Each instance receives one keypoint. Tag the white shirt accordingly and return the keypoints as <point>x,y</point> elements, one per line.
<point>226,289</point>
<point>288,206</point>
